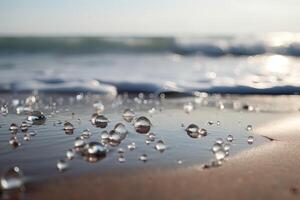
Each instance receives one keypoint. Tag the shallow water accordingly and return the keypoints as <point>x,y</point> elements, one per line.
<point>37,158</point>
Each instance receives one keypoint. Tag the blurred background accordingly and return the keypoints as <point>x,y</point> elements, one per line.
<point>230,46</point>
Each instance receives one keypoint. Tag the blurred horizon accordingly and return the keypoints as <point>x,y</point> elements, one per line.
<point>144,18</point>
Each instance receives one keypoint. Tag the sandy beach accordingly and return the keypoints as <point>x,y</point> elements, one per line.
<point>269,171</point>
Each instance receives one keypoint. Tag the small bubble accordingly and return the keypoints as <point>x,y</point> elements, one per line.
<point>160,146</point>
<point>220,154</point>
<point>179,162</point>
<point>86,134</point>
<point>202,132</point>
<point>68,128</point>
<point>143,158</point>
<point>142,125</point>
<point>13,127</point>
<point>14,142</point>
<point>121,150</point>
<point>95,149</point>
<point>12,179</point>
<point>151,137</point>
<point>210,123</point>
<point>4,110</point>
<point>128,115</point>
<point>226,147</point>
<point>62,165</point>
<point>188,107</point>
<point>79,143</point>
<point>250,139</point>
<point>24,126</point>
<point>229,138</point>
<point>27,137</point>
<point>249,127</point>
<point>121,130</point>
<point>36,118</point>
<point>216,147</point>
<point>104,135</point>
<point>98,106</point>
<point>219,141</point>
<point>121,159</point>
<point>218,123</point>
<point>193,131</point>
<point>70,154</point>
<point>131,146</point>
<point>101,121</point>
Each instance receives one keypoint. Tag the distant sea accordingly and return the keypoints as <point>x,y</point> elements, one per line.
<point>253,64</point>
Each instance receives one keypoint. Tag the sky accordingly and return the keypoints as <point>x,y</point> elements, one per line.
<point>147,17</point>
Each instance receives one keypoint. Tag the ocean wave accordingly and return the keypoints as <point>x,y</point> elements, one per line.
<point>208,46</point>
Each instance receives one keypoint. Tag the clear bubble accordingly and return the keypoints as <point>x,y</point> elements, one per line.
<point>104,135</point>
<point>128,115</point>
<point>79,143</point>
<point>13,127</point>
<point>226,146</point>
<point>95,149</point>
<point>70,154</point>
<point>27,137</point>
<point>101,121</point>
<point>93,118</point>
<point>210,123</point>
<point>121,150</point>
<point>62,165</point>
<point>151,111</point>
<point>24,126</point>
<point>219,141</point>
<point>249,127</point>
<point>250,139</point>
<point>121,159</point>
<point>114,137</point>
<point>143,158</point>
<point>14,142</point>
<point>193,131</point>
<point>12,179</point>
<point>4,110</point>
<point>160,146</point>
<point>36,118</point>
<point>98,106</point>
<point>121,130</point>
<point>220,154</point>
<point>32,133</point>
<point>131,146</point>
<point>229,138</point>
<point>202,132</point>
<point>216,147</point>
<point>218,123</point>
<point>142,125</point>
<point>151,137</point>
<point>68,128</point>
<point>30,100</point>
<point>86,134</point>
<point>188,107</point>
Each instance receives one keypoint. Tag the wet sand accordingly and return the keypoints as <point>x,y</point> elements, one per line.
<point>269,171</point>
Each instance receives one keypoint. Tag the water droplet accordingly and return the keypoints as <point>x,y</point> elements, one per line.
<point>95,149</point>
<point>36,118</point>
<point>131,146</point>
<point>121,150</point>
<point>114,137</point>
<point>250,139</point>
<point>68,128</point>
<point>14,142</point>
<point>143,157</point>
<point>249,127</point>
<point>13,128</point>
<point>128,115</point>
<point>62,165</point>
<point>27,137</point>
<point>121,159</point>
<point>229,138</point>
<point>98,106</point>
<point>121,130</point>
<point>218,123</point>
<point>151,111</point>
<point>24,126</point>
<point>216,147</point>
<point>32,133</point>
<point>226,147</point>
<point>4,110</point>
<point>160,146</point>
<point>210,123</point>
<point>79,143</point>
<point>151,137</point>
<point>93,118</point>
<point>193,131</point>
<point>188,107</point>
<point>30,100</point>
<point>104,135</point>
<point>219,141</point>
<point>101,121</point>
<point>179,162</point>
<point>12,179</point>
<point>202,132</point>
<point>86,134</point>
<point>70,154</point>
<point>220,154</point>
<point>142,125</point>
